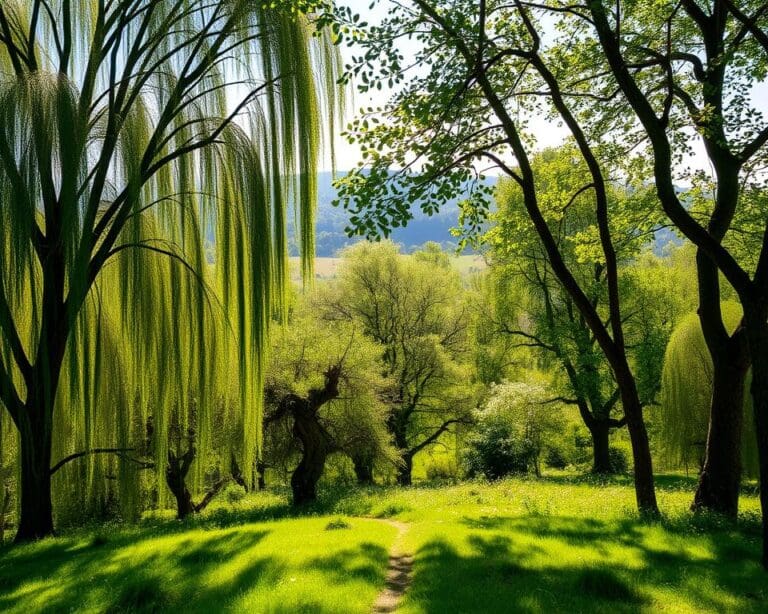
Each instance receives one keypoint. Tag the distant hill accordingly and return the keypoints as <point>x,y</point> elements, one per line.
<point>331,221</point>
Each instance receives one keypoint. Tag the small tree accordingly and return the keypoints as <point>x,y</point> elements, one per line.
<point>413,307</point>
<point>322,393</point>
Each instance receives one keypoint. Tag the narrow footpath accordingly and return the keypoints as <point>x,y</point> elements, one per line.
<point>398,572</point>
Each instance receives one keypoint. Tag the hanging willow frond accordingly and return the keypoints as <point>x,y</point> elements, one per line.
<point>148,151</point>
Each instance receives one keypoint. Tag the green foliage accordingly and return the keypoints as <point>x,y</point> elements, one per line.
<point>145,169</point>
<point>413,308</point>
<point>619,460</point>
<point>512,431</point>
<point>687,393</point>
<point>302,350</point>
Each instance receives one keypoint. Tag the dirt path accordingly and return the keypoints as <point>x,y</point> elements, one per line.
<point>398,572</point>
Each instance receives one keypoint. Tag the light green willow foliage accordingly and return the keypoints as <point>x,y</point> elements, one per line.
<point>159,142</point>
<point>301,353</point>
<point>686,392</point>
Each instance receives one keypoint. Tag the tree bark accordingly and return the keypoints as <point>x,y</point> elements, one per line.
<point>405,471</point>
<point>720,478</point>
<point>645,491</point>
<point>601,459</point>
<point>316,442</point>
<point>363,469</point>
<point>184,506</point>
<point>757,334</point>
<point>261,471</point>
<point>315,449</point>
<point>175,477</point>
<point>36,513</point>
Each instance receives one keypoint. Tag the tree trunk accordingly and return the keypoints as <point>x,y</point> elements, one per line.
<point>315,450</point>
<point>405,471</point>
<point>720,477</point>
<point>757,334</point>
<point>36,517</point>
<point>645,491</point>
<point>718,488</point>
<point>175,477</point>
<point>261,480</point>
<point>601,458</point>
<point>184,505</point>
<point>363,469</point>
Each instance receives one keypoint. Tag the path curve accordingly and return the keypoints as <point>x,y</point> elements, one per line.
<point>398,571</point>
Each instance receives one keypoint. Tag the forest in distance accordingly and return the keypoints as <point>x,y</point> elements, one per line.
<point>510,354</point>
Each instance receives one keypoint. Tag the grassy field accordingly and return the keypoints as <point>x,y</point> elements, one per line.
<point>561,544</point>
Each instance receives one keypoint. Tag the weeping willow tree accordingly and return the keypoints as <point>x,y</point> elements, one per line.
<point>686,395</point>
<point>134,132</point>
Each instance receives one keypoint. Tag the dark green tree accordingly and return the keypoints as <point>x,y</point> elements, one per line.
<point>686,72</point>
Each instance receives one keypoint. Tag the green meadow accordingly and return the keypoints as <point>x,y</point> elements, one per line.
<point>561,543</point>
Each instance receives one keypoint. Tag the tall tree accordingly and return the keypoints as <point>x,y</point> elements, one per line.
<point>688,69</point>
<point>413,307</point>
<point>132,131</point>
<point>546,319</point>
<point>687,383</point>
<point>477,64</point>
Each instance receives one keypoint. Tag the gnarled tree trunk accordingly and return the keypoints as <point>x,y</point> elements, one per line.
<point>176,478</point>
<point>316,445</point>
<point>316,442</point>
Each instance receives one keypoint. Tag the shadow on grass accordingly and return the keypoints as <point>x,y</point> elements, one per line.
<point>497,577</point>
<point>204,573</point>
<point>498,569</point>
<point>122,582</point>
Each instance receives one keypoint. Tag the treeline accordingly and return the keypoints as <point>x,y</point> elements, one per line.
<point>397,359</point>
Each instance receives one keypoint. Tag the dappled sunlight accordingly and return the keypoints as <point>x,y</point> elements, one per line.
<point>570,563</point>
<point>283,564</point>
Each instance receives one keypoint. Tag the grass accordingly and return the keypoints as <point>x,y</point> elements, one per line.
<point>562,543</point>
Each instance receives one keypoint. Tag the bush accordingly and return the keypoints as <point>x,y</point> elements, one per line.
<point>493,452</point>
<point>555,458</point>
<point>235,494</point>
<point>442,468</point>
<point>618,459</point>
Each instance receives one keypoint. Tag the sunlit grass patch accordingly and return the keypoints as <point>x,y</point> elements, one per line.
<point>561,544</point>
<point>282,566</point>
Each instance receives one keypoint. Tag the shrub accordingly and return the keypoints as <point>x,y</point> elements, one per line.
<point>618,459</point>
<point>494,452</point>
<point>337,524</point>
<point>235,494</point>
<point>442,468</point>
<point>555,458</point>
